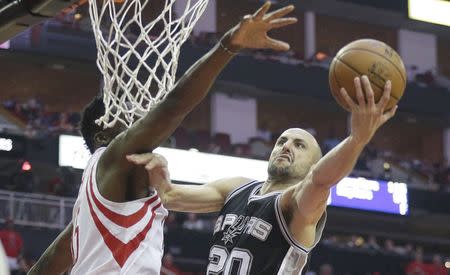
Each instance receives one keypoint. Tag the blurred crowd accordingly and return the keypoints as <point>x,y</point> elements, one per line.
<point>13,246</point>
<point>418,262</point>
<point>427,78</point>
<point>39,120</point>
<point>373,162</point>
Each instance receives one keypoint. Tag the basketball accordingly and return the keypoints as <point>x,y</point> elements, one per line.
<point>372,58</point>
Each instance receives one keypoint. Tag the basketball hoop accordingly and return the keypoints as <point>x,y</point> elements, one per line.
<point>132,85</point>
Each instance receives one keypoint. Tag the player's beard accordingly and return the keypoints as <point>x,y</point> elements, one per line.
<point>279,172</point>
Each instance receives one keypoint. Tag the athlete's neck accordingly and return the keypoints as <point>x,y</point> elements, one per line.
<point>272,185</point>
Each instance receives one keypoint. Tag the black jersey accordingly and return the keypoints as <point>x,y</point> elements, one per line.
<point>251,236</point>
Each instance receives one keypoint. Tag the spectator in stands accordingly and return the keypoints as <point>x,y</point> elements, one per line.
<point>55,185</point>
<point>437,267</point>
<point>417,266</point>
<point>13,244</point>
<point>372,243</point>
<point>193,222</point>
<point>10,104</point>
<point>63,123</point>
<point>331,241</point>
<point>389,246</point>
<point>355,241</point>
<point>171,222</point>
<point>326,269</point>
<point>330,142</point>
<point>406,250</point>
<point>168,267</point>
<point>264,133</point>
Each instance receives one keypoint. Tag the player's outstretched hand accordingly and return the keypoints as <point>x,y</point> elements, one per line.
<point>367,116</point>
<point>156,166</point>
<point>251,32</point>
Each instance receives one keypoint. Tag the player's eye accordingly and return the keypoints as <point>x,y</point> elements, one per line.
<point>300,145</point>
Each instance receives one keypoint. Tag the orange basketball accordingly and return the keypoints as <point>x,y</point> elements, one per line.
<point>372,58</point>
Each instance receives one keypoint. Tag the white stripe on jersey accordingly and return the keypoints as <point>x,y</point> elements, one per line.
<point>297,255</point>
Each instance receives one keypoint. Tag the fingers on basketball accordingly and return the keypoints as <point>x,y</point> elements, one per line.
<point>359,93</point>
<point>348,99</point>
<point>384,100</point>
<point>368,92</point>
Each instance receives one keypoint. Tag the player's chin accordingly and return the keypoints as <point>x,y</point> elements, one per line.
<point>279,169</point>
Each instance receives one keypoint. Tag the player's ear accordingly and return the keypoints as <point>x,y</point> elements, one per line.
<point>101,138</point>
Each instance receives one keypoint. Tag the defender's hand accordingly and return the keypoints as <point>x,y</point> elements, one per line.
<point>251,32</point>
<point>156,166</point>
<point>367,116</point>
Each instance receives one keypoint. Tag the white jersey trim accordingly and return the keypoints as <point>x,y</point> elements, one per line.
<point>239,189</point>
<point>285,228</point>
<point>293,262</point>
<point>254,195</point>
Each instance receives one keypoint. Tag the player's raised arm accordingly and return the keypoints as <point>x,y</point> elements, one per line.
<point>209,197</point>
<point>193,86</point>
<point>311,194</point>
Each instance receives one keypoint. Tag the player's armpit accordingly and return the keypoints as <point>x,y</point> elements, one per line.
<point>209,197</point>
<point>303,205</point>
<point>306,200</point>
<point>57,258</point>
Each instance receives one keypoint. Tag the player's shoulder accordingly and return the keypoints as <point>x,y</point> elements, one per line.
<point>226,185</point>
<point>231,183</point>
<point>235,185</point>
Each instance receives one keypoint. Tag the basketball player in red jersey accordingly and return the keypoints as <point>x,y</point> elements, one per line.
<point>117,222</point>
<point>270,227</point>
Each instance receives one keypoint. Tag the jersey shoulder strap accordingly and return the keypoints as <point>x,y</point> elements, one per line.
<point>240,189</point>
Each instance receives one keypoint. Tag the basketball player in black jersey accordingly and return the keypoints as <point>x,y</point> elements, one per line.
<point>270,227</point>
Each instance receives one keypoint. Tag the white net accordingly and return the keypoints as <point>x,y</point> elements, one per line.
<point>138,55</point>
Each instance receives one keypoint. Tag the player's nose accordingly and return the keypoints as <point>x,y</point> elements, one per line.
<point>286,148</point>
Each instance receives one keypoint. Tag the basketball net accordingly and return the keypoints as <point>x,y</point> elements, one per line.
<point>138,66</point>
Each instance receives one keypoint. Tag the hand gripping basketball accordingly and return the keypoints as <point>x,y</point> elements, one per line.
<point>367,116</point>
<point>251,32</point>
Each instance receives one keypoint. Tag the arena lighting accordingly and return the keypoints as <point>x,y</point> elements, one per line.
<point>431,11</point>
<point>196,167</point>
<point>72,152</point>
<point>320,56</point>
<point>26,166</point>
<point>447,264</point>
<point>6,144</point>
<point>5,45</point>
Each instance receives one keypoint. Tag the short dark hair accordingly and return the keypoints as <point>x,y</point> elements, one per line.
<point>88,128</point>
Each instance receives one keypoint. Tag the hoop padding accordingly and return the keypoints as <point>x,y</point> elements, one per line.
<point>138,66</point>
